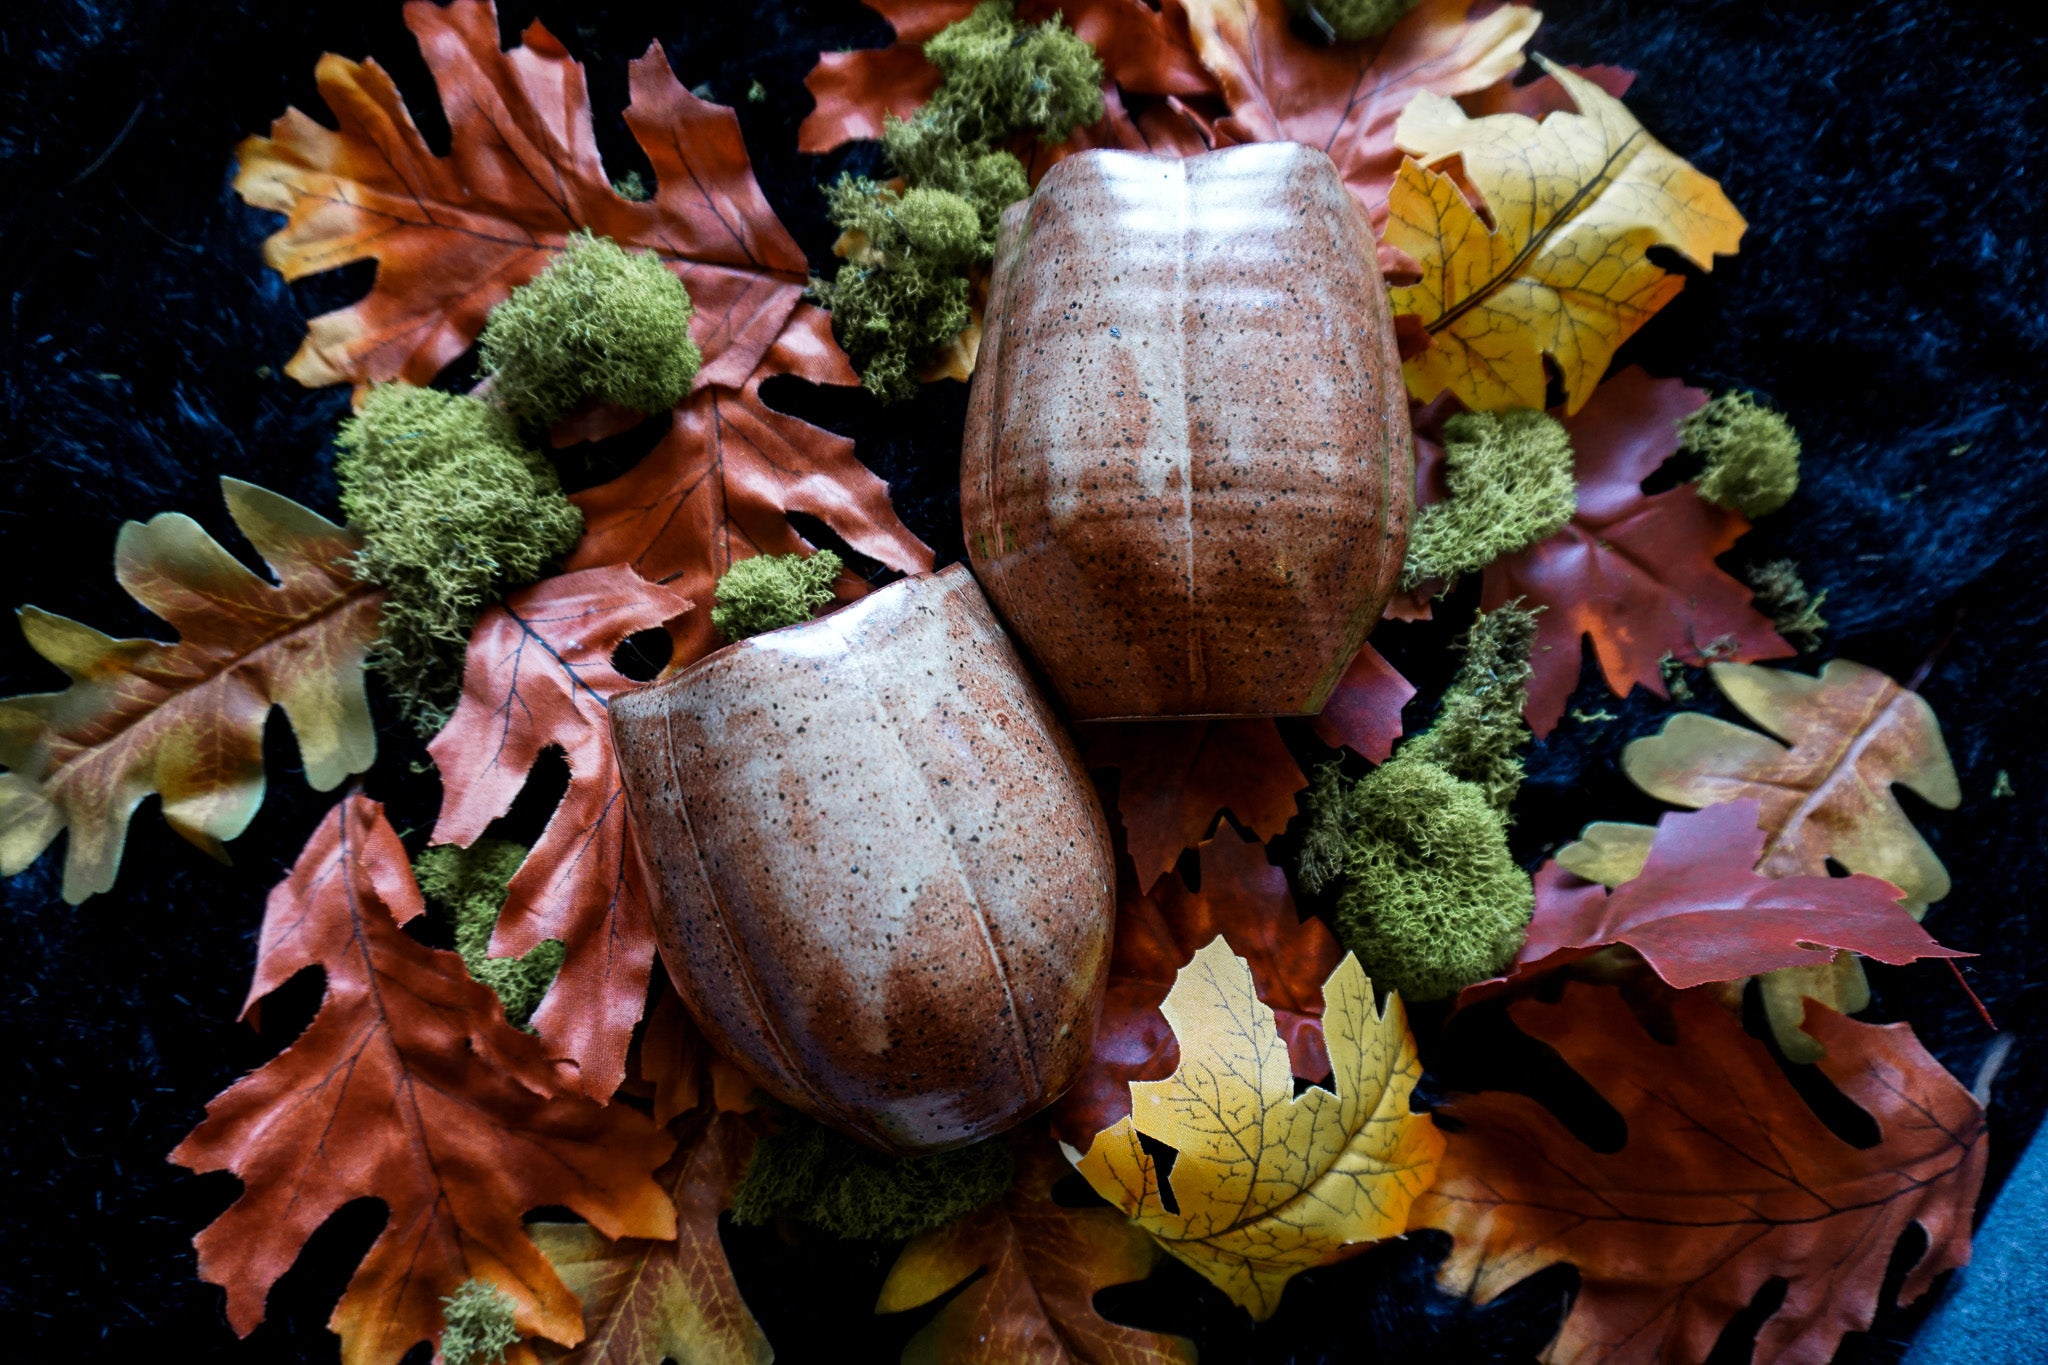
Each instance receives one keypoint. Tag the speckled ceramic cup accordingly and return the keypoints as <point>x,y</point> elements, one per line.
<point>1187,475</point>
<point>885,885</point>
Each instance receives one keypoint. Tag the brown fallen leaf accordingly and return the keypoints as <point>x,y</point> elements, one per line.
<point>1267,1183</point>
<point>648,1301</point>
<point>540,676</point>
<point>1035,1267</point>
<point>409,1087</point>
<point>1728,1181</point>
<point>185,720</point>
<point>1575,201</point>
<point>682,1069</point>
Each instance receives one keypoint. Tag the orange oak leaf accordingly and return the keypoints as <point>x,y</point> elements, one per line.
<point>1633,571</point>
<point>408,1087</point>
<point>540,676</point>
<point>1697,912</point>
<point>1176,775</point>
<point>644,1300</point>
<point>1144,49</point>
<point>1728,1180</point>
<point>1244,898</point>
<point>185,720</point>
<point>682,1068</point>
<point>1345,97</point>
<point>1039,1266</point>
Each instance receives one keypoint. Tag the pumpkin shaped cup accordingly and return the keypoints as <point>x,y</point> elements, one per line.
<point>886,888</point>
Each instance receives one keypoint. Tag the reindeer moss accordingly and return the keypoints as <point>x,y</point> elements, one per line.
<point>1352,20</point>
<point>1428,895</point>
<point>454,511</point>
<point>468,885</point>
<point>1510,480</point>
<point>903,289</point>
<point>477,1324</point>
<point>768,592</point>
<point>813,1174</point>
<point>598,322</point>
<point>1751,454</point>
<point>1794,610</point>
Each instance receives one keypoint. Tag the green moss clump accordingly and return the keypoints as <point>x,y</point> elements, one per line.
<point>454,510</point>
<point>769,592</point>
<point>811,1173</point>
<point>903,290</point>
<point>468,885</point>
<point>477,1324</point>
<point>599,322</point>
<point>1793,609</point>
<point>1751,454</point>
<point>1510,480</point>
<point>1428,895</point>
<point>1352,20</point>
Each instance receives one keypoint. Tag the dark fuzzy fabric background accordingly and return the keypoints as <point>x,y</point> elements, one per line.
<point>1889,297</point>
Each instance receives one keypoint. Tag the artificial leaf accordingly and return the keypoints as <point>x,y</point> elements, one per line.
<point>1245,899</point>
<point>1697,913</point>
<point>185,720</point>
<point>1852,733</point>
<point>1727,1181</point>
<point>1039,1267</point>
<point>410,1087</point>
<point>1635,572</point>
<point>1267,1183</point>
<point>1609,852</point>
<point>682,1069</point>
<point>1363,713</point>
<point>1576,201</point>
<point>1344,98</point>
<point>1143,48</point>
<point>645,1301</point>
<point>540,676</point>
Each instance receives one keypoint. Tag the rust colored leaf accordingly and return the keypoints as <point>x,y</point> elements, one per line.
<point>646,1301</point>
<point>1559,266</point>
<point>1697,912</point>
<point>1267,1183</point>
<point>185,720</point>
<point>1245,899</point>
<point>540,676</point>
<point>1346,97</point>
<point>1635,572</point>
<point>1175,776</point>
<point>1727,1181</point>
<point>1144,49</point>
<point>408,1087</point>
<point>683,1069</point>
<point>1040,1266</point>
<point>1363,714</point>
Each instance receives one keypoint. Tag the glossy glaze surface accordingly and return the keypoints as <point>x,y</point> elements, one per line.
<point>885,884</point>
<point>1187,474</point>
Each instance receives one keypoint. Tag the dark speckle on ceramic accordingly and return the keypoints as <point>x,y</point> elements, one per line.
<point>885,885</point>
<point>1187,475</point>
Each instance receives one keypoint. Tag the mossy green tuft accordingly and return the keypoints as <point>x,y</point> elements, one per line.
<point>1352,20</point>
<point>808,1172</point>
<point>1509,475</point>
<point>469,885</point>
<point>454,510</point>
<point>1793,608</point>
<point>769,592</point>
<point>477,1324</point>
<point>1428,895</point>
<point>1003,77</point>
<point>1751,454</point>
<point>600,322</point>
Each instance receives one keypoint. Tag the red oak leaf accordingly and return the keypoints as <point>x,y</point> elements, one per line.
<point>1143,48</point>
<point>408,1087</point>
<point>540,676</point>
<point>1245,899</point>
<point>1363,714</point>
<point>1345,97</point>
<point>1728,1181</point>
<point>1698,913</point>
<point>1634,571</point>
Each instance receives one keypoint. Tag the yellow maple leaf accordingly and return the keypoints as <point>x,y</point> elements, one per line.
<point>1577,200</point>
<point>1267,1183</point>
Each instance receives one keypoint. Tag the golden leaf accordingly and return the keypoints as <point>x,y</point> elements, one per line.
<point>1268,1183</point>
<point>1577,200</point>
<point>185,720</point>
